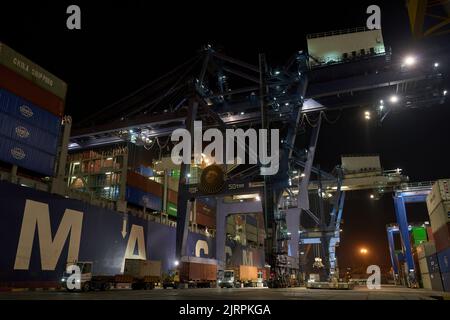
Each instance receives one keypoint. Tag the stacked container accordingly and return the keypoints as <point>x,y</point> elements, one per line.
<point>31,107</point>
<point>438,204</point>
<point>143,191</point>
<point>429,266</point>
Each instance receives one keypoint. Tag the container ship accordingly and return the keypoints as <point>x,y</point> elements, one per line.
<point>100,205</point>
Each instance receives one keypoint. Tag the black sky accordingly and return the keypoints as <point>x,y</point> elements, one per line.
<point>124,45</point>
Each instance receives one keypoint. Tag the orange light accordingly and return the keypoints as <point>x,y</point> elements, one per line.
<point>363,251</point>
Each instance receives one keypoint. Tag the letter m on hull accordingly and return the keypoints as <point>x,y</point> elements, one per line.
<point>37,214</point>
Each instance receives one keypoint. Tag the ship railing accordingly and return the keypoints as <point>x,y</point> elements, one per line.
<point>336,32</point>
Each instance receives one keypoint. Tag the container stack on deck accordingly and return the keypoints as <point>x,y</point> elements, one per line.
<point>438,204</point>
<point>31,107</point>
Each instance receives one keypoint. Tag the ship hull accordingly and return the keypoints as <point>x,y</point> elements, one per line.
<point>41,232</point>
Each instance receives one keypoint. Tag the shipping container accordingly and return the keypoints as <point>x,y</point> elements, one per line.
<point>146,185</point>
<point>432,281</point>
<point>432,263</point>
<point>143,199</point>
<point>440,192</point>
<point>206,220</point>
<point>430,234</point>
<point>145,171</point>
<point>27,134</point>
<point>171,209</point>
<point>192,271</point>
<point>446,281</point>
<point>172,196</point>
<point>203,208</point>
<point>444,260</point>
<point>24,156</point>
<point>28,112</point>
<point>442,237</point>
<point>29,91</point>
<point>246,273</point>
<point>418,235</point>
<point>32,72</point>
<point>440,215</point>
<point>426,249</point>
<point>423,265</point>
<point>138,268</point>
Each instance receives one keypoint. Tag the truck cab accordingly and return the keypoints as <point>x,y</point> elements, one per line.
<point>228,279</point>
<point>83,279</point>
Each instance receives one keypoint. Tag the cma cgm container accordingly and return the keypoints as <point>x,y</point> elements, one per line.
<point>26,157</point>
<point>28,112</point>
<point>27,134</point>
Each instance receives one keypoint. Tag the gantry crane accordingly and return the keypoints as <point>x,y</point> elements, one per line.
<point>225,92</point>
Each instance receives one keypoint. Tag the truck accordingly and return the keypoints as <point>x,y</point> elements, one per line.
<point>242,276</point>
<point>193,272</point>
<point>138,274</point>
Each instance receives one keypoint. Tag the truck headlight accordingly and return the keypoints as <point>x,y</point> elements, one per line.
<point>63,280</point>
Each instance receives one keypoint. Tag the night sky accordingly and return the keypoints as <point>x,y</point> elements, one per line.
<point>124,46</point>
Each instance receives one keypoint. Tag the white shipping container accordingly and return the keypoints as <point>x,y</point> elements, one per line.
<point>440,192</point>
<point>440,216</point>
<point>426,249</point>
<point>142,268</point>
<point>426,281</point>
<point>361,164</point>
<point>423,265</point>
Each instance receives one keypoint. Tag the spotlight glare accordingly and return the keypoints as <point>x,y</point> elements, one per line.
<point>410,60</point>
<point>394,99</point>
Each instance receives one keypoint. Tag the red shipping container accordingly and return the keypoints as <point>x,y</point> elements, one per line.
<point>430,234</point>
<point>26,89</point>
<point>138,181</point>
<point>442,238</point>
<point>204,209</point>
<point>206,220</point>
<point>172,196</point>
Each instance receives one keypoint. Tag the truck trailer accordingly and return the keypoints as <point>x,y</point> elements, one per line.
<point>138,274</point>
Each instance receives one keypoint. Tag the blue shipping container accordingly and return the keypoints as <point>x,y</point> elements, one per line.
<point>26,157</point>
<point>145,171</point>
<point>433,264</point>
<point>141,198</point>
<point>26,111</point>
<point>446,281</point>
<point>444,260</point>
<point>23,132</point>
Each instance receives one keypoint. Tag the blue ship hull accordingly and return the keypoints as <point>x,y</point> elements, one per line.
<point>41,232</point>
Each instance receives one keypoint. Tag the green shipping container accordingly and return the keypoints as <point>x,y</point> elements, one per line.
<point>419,235</point>
<point>31,71</point>
<point>171,209</point>
<point>175,173</point>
